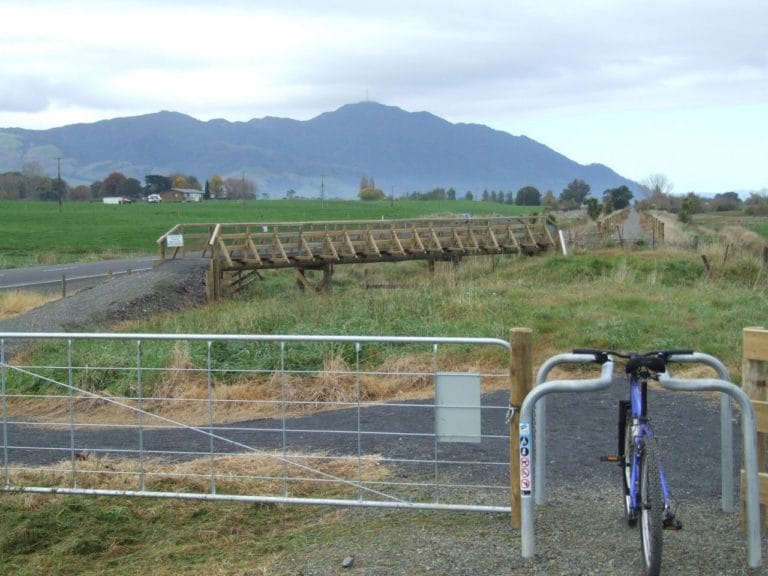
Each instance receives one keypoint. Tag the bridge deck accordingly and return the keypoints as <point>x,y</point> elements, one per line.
<point>254,246</point>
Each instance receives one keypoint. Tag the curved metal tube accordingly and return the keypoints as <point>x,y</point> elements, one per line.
<point>749,434</point>
<point>540,422</point>
<point>726,429</point>
<point>527,535</point>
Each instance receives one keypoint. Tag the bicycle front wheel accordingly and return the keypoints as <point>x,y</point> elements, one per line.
<point>652,508</point>
<point>627,458</point>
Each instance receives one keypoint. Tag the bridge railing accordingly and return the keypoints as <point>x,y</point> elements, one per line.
<point>273,245</point>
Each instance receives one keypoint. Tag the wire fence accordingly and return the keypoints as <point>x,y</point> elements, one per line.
<point>350,420</point>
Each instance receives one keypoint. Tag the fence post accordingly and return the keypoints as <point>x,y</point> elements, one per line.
<point>754,373</point>
<point>520,383</point>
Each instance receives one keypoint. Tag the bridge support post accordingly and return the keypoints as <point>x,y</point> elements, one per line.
<point>324,285</point>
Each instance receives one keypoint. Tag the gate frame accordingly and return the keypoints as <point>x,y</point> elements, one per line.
<point>520,375</point>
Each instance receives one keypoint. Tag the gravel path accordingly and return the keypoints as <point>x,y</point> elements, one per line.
<point>173,286</point>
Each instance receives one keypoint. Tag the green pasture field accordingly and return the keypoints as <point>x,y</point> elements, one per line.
<point>720,220</point>
<point>37,233</point>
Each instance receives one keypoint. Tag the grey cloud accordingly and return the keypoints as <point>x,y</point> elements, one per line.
<point>23,94</point>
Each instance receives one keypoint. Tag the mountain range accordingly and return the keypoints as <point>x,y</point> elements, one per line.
<point>402,151</point>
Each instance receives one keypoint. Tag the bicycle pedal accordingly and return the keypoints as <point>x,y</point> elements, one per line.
<point>672,524</point>
<point>609,458</point>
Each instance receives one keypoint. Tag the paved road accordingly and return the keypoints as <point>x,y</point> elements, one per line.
<point>581,430</point>
<point>77,275</point>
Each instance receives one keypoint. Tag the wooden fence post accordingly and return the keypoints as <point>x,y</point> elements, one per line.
<point>754,382</point>
<point>520,383</point>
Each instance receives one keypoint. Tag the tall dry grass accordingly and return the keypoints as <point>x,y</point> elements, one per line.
<point>236,474</point>
<point>14,302</point>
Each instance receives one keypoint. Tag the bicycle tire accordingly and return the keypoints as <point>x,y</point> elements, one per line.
<point>627,455</point>
<point>652,509</point>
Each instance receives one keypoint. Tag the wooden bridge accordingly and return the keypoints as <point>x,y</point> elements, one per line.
<point>239,251</point>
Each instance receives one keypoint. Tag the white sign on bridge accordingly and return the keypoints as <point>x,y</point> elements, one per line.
<point>174,240</point>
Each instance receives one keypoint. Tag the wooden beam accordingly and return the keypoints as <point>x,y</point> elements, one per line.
<point>755,342</point>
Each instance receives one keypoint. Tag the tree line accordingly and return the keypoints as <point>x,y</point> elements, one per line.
<point>573,196</point>
<point>32,184</point>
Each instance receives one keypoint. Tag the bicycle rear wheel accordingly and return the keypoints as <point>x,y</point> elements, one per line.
<point>627,457</point>
<point>652,508</point>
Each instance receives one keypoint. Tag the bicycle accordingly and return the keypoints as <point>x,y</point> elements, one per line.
<point>646,494</point>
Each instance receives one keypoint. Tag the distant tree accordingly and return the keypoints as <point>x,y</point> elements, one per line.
<point>240,189</point>
<point>156,184</point>
<point>369,194</point>
<point>757,203</point>
<point>13,186</point>
<point>575,193</point>
<point>43,188</point>
<point>112,183</point>
<point>549,199</point>
<point>509,198</point>
<point>451,194</point>
<point>618,198</point>
<point>656,185</point>
<point>756,199</point>
<point>216,186</point>
<point>485,197</point>
<point>528,196</point>
<point>179,181</point>
<point>438,194</point>
<point>594,208</point>
<point>130,188</point>
<point>367,182</point>
<point>688,208</point>
<point>725,202</point>
<point>469,196</point>
<point>81,193</point>
<point>207,192</point>
<point>97,189</point>
<point>290,194</point>
<point>492,197</point>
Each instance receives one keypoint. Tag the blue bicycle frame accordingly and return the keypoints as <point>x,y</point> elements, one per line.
<point>641,431</point>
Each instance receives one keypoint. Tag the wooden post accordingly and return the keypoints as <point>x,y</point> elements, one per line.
<point>520,383</point>
<point>63,286</point>
<point>754,376</point>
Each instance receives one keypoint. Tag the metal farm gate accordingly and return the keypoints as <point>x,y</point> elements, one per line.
<point>399,422</point>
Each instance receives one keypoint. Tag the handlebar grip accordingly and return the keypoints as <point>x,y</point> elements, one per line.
<point>601,356</point>
<point>669,353</point>
<point>593,351</point>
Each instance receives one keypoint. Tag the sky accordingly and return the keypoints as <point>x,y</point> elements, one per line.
<point>672,87</point>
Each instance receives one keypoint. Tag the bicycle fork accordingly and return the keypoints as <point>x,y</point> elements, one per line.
<point>642,433</point>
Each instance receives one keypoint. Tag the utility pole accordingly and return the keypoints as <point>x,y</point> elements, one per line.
<point>58,180</point>
<point>322,190</point>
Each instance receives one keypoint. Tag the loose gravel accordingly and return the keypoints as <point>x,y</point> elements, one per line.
<point>581,530</point>
<point>174,285</point>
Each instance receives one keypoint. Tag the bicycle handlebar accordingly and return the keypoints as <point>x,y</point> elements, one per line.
<point>655,360</point>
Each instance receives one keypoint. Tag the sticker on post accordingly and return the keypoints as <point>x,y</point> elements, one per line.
<point>525,449</point>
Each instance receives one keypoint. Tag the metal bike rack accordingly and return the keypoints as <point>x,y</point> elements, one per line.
<point>726,418</point>
<point>537,449</point>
